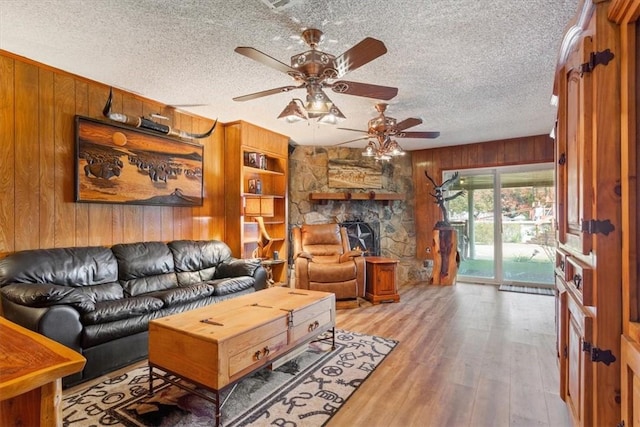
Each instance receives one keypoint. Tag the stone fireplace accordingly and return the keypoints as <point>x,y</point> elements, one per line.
<point>392,222</point>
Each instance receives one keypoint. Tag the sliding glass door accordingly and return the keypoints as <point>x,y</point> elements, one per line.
<point>504,224</point>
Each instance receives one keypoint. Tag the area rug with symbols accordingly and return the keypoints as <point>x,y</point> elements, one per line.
<point>305,391</point>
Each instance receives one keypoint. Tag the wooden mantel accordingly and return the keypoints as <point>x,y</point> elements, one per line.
<point>385,198</point>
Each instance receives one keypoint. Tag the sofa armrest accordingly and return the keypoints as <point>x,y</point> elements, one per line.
<point>251,267</point>
<point>236,267</point>
<point>61,323</point>
<point>46,295</point>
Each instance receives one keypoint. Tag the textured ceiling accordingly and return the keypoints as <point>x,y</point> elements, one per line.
<point>473,70</point>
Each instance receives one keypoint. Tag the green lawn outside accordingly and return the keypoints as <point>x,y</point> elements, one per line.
<point>518,271</point>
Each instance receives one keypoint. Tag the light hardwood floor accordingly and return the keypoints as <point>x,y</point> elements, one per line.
<point>468,355</point>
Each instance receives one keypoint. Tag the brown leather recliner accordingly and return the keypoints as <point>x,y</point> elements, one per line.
<point>325,262</point>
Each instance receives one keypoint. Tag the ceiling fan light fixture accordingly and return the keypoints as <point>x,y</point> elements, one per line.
<point>383,149</point>
<point>370,150</point>
<point>318,103</point>
<point>293,112</point>
<point>333,117</point>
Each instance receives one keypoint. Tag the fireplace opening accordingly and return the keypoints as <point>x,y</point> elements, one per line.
<point>364,236</point>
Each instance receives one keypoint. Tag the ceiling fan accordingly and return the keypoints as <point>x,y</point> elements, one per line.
<point>315,70</point>
<point>383,130</point>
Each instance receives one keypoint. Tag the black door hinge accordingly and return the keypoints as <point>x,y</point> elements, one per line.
<point>596,58</point>
<point>598,355</point>
<point>593,226</point>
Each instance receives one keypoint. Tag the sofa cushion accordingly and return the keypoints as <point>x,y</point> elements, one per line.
<point>104,292</point>
<point>196,260</point>
<point>78,266</point>
<point>45,295</point>
<point>110,311</point>
<point>336,273</point>
<point>184,294</point>
<point>231,285</point>
<point>145,267</point>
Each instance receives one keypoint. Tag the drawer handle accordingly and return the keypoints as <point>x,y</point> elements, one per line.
<point>577,279</point>
<point>261,353</point>
<point>313,326</point>
<point>562,265</point>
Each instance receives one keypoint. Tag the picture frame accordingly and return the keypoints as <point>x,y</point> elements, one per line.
<point>123,165</point>
<point>252,160</point>
<point>251,188</point>
<point>262,161</point>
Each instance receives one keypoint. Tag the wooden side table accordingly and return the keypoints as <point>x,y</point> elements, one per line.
<point>31,371</point>
<point>269,265</point>
<point>381,280</point>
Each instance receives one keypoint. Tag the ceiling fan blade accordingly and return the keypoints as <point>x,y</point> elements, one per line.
<point>265,93</point>
<point>418,135</point>
<point>265,59</point>
<point>363,89</point>
<point>365,51</point>
<point>408,123</point>
<point>353,140</point>
<point>354,130</point>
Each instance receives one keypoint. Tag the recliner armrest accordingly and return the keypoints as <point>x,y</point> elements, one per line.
<point>306,255</point>
<point>350,255</point>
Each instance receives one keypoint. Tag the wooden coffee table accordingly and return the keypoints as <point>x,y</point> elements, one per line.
<point>215,346</point>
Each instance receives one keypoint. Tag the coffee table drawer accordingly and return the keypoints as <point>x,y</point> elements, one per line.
<point>258,354</point>
<point>313,318</point>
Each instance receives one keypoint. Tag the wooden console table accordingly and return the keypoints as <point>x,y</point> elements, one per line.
<point>31,371</point>
<point>381,280</point>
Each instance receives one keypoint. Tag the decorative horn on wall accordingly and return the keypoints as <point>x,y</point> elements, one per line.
<point>148,124</point>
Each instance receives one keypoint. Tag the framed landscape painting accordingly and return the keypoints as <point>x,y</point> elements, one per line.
<point>119,164</point>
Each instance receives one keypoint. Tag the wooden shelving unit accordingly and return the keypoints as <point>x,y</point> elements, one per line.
<point>243,204</point>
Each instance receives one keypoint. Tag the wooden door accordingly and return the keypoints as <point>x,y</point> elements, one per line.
<point>626,14</point>
<point>575,141</point>
<point>588,84</point>
<point>579,381</point>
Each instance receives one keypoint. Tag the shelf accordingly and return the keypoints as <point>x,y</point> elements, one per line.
<point>267,221</point>
<point>255,240</point>
<point>251,169</point>
<point>264,196</point>
<point>385,198</point>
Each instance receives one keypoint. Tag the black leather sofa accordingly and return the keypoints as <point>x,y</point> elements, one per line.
<point>99,300</point>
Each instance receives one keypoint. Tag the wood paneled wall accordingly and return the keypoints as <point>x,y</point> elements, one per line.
<point>517,151</point>
<point>37,149</point>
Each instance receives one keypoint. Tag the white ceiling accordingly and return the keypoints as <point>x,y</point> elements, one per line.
<point>474,70</point>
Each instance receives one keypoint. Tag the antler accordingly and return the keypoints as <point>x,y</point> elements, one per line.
<point>431,179</point>
<point>450,180</point>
